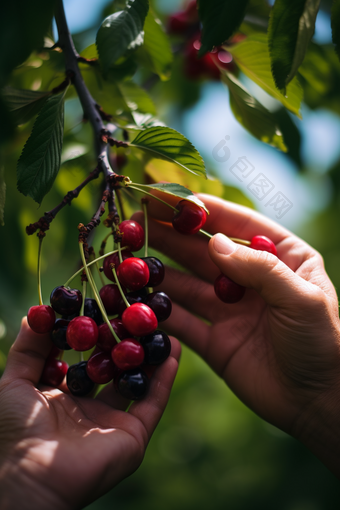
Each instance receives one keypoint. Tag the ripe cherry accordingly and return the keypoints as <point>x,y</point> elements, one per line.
<point>114,259</point>
<point>160,303</point>
<point>66,301</point>
<point>128,354</point>
<point>58,334</point>
<point>263,243</point>
<point>92,310</point>
<point>100,368</point>
<point>54,372</point>
<point>139,319</point>
<point>106,341</point>
<point>156,270</point>
<point>132,297</point>
<point>157,347</point>
<point>189,218</point>
<point>82,333</point>
<point>133,235</point>
<point>78,381</point>
<point>227,290</point>
<point>111,298</point>
<point>133,273</point>
<point>41,318</point>
<point>133,384</point>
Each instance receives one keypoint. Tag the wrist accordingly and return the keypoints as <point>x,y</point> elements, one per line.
<point>317,428</point>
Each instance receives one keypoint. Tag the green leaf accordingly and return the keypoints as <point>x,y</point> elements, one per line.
<point>24,104</point>
<point>39,162</point>
<point>291,28</point>
<point>252,115</point>
<point>252,57</point>
<point>335,24</point>
<point>220,19</point>
<point>2,195</point>
<point>176,190</point>
<point>156,49</point>
<point>22,28</point>
<point>171,145</point>
<point>136,98</point>
<point>291,135</point>
<point>120,32</point>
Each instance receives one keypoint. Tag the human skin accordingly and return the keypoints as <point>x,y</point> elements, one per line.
<point>278,349</point>
<point>58,451</point>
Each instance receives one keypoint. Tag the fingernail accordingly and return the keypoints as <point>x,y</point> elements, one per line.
<point>223,244</point>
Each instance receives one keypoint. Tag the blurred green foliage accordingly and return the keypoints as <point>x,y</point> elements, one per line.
<point>209,450</point>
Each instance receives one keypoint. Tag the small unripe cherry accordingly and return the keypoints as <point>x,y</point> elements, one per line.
<point>263,243</point>
<point>189,217</point>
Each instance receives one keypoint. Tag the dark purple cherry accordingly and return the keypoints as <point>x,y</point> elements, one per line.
<point>160,303</point>
<point>111,298</point>
<point>92,310</point>
<point>156,269</point>
<point>58,334</point>
<point>133,384</point>
<point>157,347</point>
<point>78,382</point>
<point>106,341</point>
<point>66,301</point>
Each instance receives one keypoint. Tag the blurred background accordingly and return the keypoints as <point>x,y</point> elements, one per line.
<point>209,449</point>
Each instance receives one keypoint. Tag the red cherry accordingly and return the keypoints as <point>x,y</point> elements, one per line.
<point>263,243</point>
<point>41,318</point>
<point>54,352</point>
<point>189,218</point>
<point>100,368</point>
<point>133,235</point>
<point>133,273</point>
<point>54,372</point>
<point>178,23</point>
<point>111,298</point>
<point>82,333</point>
<point>114,259</point>
<point>106,341</point>
<point>128,354</point>
<point>227,290</point>
<point>139,319</point>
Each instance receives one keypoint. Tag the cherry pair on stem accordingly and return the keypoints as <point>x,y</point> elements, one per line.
<point>279,348</point>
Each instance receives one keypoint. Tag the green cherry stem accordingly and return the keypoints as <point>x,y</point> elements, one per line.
<point>120,252</point>
<point>146,227</point>
<point>152,196</point>
<point>83,301</point>
<point>244,242</point>
<point>127,304</point>
<point>96,295</point>
<point>39,271</point>
<point>90,264</point>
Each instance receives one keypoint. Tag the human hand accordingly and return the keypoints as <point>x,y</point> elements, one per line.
<point>60,451</point>
<point>278,348</point>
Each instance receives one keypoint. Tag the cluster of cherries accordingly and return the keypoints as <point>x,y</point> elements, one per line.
<point>129,346</point>
<point>186,25</point>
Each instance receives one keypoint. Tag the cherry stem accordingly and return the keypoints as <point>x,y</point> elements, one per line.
<point>120,252</point>
<point>127,304</point>
<point>81,313</point>
<point>95,292</point>
<point>146,227</point>
<point>90,264</point>
<point>152,196</point>
<point>244,242</point>
<point>39,271</point>
<point>81,356</point>
<point>100,274</point>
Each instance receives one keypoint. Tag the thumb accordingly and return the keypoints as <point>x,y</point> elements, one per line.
<point>276,283</point>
